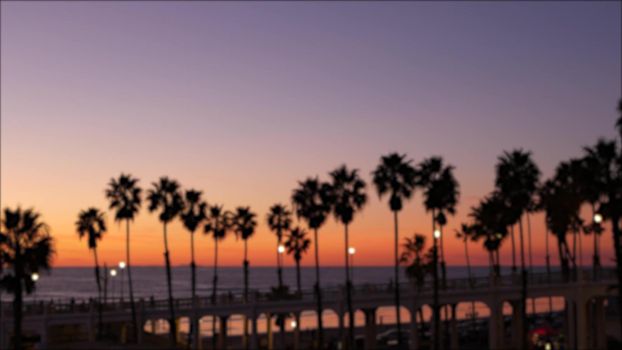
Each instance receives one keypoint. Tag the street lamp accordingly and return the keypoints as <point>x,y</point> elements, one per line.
<point>122,267</point>
<point>351,252</point>
<point>293,324</point>
<point>437,234</point>
<point>34,277</point>
<point>281,249</point>
<point>598,218</point>
<point>113,274</point>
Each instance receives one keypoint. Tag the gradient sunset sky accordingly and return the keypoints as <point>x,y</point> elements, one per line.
<point>241,100</point>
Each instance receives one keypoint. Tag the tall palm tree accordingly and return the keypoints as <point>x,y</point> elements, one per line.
<point>279,220</point>
<point>166,197</point>
<point>348,194</point>
<point>26,247</point>
<point>312,202</point>
<point>124,196</point>
<point>243,223</point>
<point>92,224</point>
<point>441,194</point>
<point>396,177</point>
<point>297,244</point>
<point>517,177</point>
<point>192,216</point>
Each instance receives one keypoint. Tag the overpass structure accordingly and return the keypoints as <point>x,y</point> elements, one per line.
<point>585,298</point>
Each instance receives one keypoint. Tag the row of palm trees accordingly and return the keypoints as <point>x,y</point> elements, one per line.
<point>594,179</point>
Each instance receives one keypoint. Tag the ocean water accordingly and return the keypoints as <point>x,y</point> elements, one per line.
<point>79,282</point>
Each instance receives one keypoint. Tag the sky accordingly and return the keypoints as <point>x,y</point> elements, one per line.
<point>242,100</point>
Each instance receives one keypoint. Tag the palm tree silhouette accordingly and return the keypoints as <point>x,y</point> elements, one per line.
<point>124,196</point>
<point>26,247</point>
<point>297,244</point>
<point>607,170</point>
<point>348,194</point>
<point>441,193</point>
<point>192,216</point>
<point>464,234</point>
<point>413,255</point>
<point>218,224</point>
<point>312,202</point>
<point>279,221</point>
<point>92,224</point>
<point>619,122</point>
<point>165,196</point>
<point>243,224</point>
<point>396,177</point>
<point>517,182</point>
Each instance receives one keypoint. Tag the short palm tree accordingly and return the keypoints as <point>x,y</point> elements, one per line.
<point>166,197</point>
<point>192,216</point>
<point>312,202</point>
<point>92,224</point>
<point>279,220</point>
<point>297,244</point>
<point>218,224</point>
<point>243,225</point>
<point>124,196</point>
<point>413,255</point>
<point>396,177</point>
<point>26,247</point>
<point>348,195</point>
<point>517,181</point>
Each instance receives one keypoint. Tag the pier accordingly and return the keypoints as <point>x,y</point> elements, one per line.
<point>585,298</point>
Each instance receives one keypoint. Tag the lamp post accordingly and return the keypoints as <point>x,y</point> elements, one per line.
<point>35,278</point>
<point>113,274</point>
<point>436,310</point>
<point>351,252</point>
<point>122,268</point>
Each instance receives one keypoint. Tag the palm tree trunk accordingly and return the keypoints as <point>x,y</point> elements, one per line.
<point>468,259</point>
<point>129,279</point>
<point>435,303</point>
<point>533,300</point>
<point>596,256</point>
<point>214,289</point>
<point>169,285</point>
<point>298,284</point>
<point>397,279</point>
<point>17,299</point>
<point>443,268</point>
<point>318,293</point>
<point>246,263</point>
<point>194,331</point>
<point>99,294</point>
<point>279,269</point>
<point>524,287</point>
<point>615,220</point>
<point>350,342</point>
<point>513,249</point>
<point>548,260</point>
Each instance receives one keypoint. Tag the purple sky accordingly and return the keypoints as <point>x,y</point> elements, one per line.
<point>243,99</point>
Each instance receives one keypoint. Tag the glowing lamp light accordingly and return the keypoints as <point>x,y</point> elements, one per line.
<point>598,218</point>
<point>34,277</point>
<point>548,346</point>
<point>293,324</point>
<point>122,265</point>
<point>437,234</point>
<point>351,250</point>
<point>281,249</point>
<point>113,272</point>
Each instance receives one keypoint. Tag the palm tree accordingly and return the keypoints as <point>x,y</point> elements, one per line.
<point>218,224</point>
<point>418,264</point>
<point>464,234</point>
<point>441,193</point>
<point>166,197</point>
<point>243,224</point>
<point>607,171</point>
<point>619,122</point>
<point>26,247</point>
<point>124,196</point>
<point>91,223</point>
<point>279,220</point>
<point>311,202</point>
<point>348,193</point>
<point>396,177</point>
<point>517,182</point>
<point>192,216</point>
<point>297,244</point>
